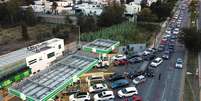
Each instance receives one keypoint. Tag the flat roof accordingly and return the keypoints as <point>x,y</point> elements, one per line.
<point>10,60</point>
<point>101,46</point>
<point>51,81</point>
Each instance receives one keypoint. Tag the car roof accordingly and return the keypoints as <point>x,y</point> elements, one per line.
<point>99,85</point>
<point>121,80</point>
<point>81,93</point>
<point>141,77</point>
<point>107,92</point>
<point>158,58</point>
<point>179,59</point>
<point>130,89</point>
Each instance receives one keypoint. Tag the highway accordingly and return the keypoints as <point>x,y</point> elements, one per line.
<point>168,88</point>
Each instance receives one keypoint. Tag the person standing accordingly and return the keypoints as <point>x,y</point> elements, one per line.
<point>159,76</point>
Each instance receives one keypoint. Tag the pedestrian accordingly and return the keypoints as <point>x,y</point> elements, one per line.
<point>159,76</point>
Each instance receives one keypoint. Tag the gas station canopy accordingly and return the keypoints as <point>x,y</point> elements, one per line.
<point>101,46</point>
<point>47,83</point>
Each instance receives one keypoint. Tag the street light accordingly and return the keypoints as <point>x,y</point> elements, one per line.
<point>79,45</point>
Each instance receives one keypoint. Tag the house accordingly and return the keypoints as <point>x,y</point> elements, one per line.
<point>132,9</point>
<point>44,54</point>
<point>88,9</point>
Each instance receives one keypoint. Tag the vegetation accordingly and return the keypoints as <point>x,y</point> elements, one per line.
<point>129,31</point>
<point>111,15</point>
<point>87,23</point>
<point>191,39</point>
<point>157,12</point>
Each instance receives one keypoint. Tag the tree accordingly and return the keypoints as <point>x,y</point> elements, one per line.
<point>161,9</point>
<point>147,15</point>
<point>28,16</point>
<point>25,35</point>
<point>143,3</point>
<point>191,38</point>
<point>54,7</point>
<point>87,23</point>
<point>112,14</point>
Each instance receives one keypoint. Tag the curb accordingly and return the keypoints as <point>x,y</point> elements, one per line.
<point>181,95</point>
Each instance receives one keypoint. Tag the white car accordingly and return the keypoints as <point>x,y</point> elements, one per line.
<point>176,31</point>
<point>148,51</point>
<point>98,87</point>
<point>80,96</point>
<point>179,63</point>
<point>139,79</point>
<point>156,62</point>
<point>104,96</point>
<point>119,57</point>
<point>127,92</point>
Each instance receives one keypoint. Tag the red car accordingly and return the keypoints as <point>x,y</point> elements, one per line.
<point>134,98</point>
<point>121,62</point>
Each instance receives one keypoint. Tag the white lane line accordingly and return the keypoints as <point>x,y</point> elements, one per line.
<point>165,87</point>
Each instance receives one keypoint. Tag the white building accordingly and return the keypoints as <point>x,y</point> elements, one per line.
<point>37,57</point>
<point>89,9</point>
<point>132,8</point>
<point>44,53</point>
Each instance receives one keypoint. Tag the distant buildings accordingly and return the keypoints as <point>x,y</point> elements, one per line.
<point>86,7</point>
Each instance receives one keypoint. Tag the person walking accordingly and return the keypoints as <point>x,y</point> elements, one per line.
<point>159,76</point>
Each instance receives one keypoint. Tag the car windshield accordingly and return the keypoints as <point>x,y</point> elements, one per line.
<point>100,95</point>
<point>179,62</point>
<point>124,91</point>
<point>137,79</point>
<point>78,95</point>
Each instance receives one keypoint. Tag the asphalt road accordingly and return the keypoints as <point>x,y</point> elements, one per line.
<point>169,86</point>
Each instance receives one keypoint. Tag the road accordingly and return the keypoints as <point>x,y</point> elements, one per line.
<point>169,86</point>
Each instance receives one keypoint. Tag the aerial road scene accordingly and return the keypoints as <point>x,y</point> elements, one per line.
<point>100,50</point>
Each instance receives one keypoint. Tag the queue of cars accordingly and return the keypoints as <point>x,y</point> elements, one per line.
<point>120,82</point>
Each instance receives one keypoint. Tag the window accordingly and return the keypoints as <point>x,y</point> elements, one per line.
<point>32,61</point>
<point>50,55</point>
<point>59,46</point>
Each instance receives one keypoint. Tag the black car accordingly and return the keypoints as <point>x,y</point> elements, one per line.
<point>135,60</point>
<point>166,55</point>
<point>161,48</point>
<point>132,75</point>
<point>115,77</point>
<point>149,73</point>
<point>149,57</point>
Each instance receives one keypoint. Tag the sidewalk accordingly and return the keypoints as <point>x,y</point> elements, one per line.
<point>199,67</point>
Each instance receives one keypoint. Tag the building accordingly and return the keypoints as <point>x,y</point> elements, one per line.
<point>48,83</point>
<point>44,53</point>
<point>88,9</point>
<point>21,63</point>
<point>132,9</point>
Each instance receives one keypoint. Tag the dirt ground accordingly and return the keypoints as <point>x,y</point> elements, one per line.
<point>11,40</point>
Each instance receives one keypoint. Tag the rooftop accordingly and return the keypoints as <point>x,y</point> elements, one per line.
<point>101,46</point>
<point>9,60</point>
<point>49,82</point>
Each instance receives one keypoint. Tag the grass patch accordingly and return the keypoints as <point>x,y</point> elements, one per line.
<point>191,87</point>
<point>126,32</point>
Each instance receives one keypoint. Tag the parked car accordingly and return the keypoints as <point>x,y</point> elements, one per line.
<point>149,73</point>
<point>95,78</point>
<point>104,96</point>
<point>98,87</point>
<point>119,57</point>
<point>139,79</point>
<point>119,83</point>
<point>179,63</point>
<point>135,60</point>
<point>137,98</point>
<point>115,77</point>
<point>127,92</point>
<point>166,55</point>
<point>120,62</point>
<point>132,75</point>
<point>156,62</point>
<point>80,96</point>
